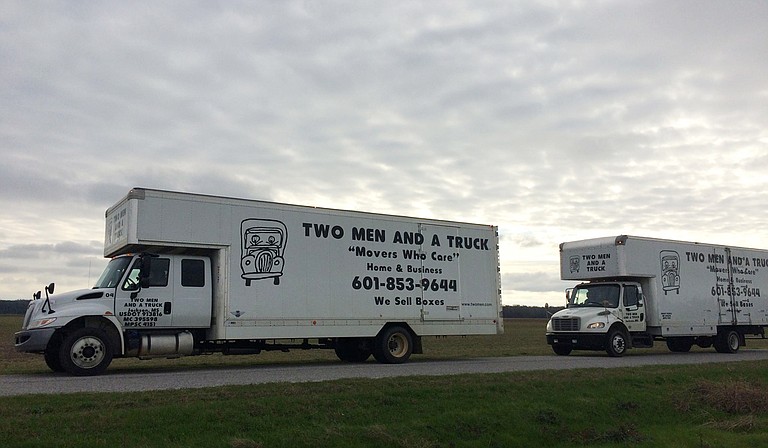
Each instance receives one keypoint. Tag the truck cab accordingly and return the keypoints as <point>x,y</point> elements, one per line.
<point>601,315</point>
<point>160,291</point>
<point>142,305</point>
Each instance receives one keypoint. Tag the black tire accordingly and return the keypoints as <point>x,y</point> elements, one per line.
<point>679,345</point>
<point>393,345</point>
<point>51,354</point>
<point>727,341</point>
<point>562,350</point>
<point>85,352</point>
<point>51,357</point>
<point>352,350</point>
<point>617,343</point>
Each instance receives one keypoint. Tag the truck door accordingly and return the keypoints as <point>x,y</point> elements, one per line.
<point>731,313</point>
<point>192,301</point>
<point>440,286</point>
<point>632,308</point>
<point>150,306</point>
<point>731,310</point>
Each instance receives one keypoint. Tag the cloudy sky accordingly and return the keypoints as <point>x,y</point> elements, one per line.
<point>555,121</point>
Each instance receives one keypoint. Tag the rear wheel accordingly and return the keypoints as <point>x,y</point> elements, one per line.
<point>85,352</point>
<point>393,345</point>
<point>727,341</point>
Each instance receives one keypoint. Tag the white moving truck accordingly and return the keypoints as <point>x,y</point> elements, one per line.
<point>193,274</point>
<point>639,290</point>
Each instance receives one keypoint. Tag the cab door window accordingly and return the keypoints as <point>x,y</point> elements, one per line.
<point>158,274</point>
<point>192,273</point>
<point>631,296</point>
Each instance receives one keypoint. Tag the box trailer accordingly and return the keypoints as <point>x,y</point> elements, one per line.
<point>192,274</point>
<point>635,291</point>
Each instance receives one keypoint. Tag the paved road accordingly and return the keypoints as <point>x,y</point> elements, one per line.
<point>195,378</point>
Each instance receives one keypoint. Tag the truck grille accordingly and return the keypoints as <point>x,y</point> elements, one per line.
<point>566,323</point>
<point>28,315</point>
<point>264,261</point>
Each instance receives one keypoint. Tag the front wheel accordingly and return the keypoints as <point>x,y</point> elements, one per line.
<point>51,354</point>
<point>562,350</point>
<point>393,345</point>
<point>617,343</point>
<point>51,357</point>
<point>85,352</point>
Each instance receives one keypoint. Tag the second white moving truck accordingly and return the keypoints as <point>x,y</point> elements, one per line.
<point>639,290</point>
<point>194,274</point>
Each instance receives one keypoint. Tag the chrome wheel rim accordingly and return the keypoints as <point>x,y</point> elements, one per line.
<point>87,352</point>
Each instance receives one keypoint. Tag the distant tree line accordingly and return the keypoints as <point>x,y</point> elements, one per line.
<point>13,306</point>
<point>528,312</point>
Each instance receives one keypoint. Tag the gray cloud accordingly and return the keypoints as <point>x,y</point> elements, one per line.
<point>532,281</point>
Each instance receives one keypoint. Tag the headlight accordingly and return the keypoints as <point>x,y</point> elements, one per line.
<point>43,322</point>
<point>595,325</point>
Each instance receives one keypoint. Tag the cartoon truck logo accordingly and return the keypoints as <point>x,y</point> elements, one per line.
<point>573,264</point>
<point>670,271</point>
<point>263,245</point>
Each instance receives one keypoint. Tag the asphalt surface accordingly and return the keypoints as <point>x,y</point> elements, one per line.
<point>51,383</point>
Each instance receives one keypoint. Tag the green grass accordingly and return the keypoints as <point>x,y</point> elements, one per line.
<point>679,406</point>
<point>718,405</point>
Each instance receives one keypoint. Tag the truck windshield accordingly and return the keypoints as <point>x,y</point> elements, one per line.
<point>605,295</point>
<point>112,274</point>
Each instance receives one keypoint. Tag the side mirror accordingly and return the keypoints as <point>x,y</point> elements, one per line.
<point>49,288</point>
<point>568,296</point>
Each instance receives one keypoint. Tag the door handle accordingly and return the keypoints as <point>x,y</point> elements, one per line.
<point>167,308</point>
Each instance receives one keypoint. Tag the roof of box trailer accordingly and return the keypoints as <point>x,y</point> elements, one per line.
<point>605,241</point>
<point>142,193</point>
<point>621,240</point>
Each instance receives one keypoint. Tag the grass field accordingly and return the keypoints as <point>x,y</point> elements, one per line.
<point>723,405</point>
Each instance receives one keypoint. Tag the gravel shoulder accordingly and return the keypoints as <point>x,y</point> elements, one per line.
<point>50,383</point>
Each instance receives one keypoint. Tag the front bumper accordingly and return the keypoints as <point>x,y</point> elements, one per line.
<point>33,341</point>
<point>578,341</point>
